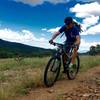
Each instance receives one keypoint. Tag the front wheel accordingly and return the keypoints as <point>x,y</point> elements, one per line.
<point>52,71</point>
<point>71,73</point>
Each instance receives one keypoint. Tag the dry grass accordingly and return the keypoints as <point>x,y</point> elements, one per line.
<point>19,78</point>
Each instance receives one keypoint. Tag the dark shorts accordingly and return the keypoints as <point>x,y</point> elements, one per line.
<point>67,47</point>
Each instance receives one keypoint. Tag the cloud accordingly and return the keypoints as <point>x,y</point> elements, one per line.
<point>89,1</point>
<point>90,15</point>
<point>24,36</point>
<point>52,30</point>
<point>85,46</point>
<point>92,30</point>
<point>44,29</point>
<point>86,10</point>
<point>39,2</point>
<point>89,22</point>
<point>28,37</point>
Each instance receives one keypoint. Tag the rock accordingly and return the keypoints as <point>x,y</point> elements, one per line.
<point>86,95</point>
<point>50,91</point>
<point>68,98</point>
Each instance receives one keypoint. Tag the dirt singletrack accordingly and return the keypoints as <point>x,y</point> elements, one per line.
<point>86,86</point>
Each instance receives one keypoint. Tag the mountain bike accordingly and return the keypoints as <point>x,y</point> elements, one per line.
<point>52,70</point>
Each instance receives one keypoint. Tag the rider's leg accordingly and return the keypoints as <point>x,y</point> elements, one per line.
<point>71,65</point>
<point>74,56</point>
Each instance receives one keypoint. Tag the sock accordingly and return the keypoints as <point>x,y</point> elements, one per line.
<point>70,65</point>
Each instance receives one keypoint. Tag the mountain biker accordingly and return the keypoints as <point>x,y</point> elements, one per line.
<point>71,31</point>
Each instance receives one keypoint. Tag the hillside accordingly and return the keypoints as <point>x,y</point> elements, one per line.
<point>10,49</point>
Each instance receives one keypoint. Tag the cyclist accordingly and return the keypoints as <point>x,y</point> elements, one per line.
<point>71,31</point>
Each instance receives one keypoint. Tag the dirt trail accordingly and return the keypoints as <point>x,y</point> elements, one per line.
<point>85,87</point>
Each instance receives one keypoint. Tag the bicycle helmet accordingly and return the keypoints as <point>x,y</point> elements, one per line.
<point>68,20</point>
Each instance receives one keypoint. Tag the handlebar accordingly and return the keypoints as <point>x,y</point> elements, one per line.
<point>61,45</point>
<point>57,44</point>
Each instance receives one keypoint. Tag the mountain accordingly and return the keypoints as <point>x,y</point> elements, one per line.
<point>11,49</point>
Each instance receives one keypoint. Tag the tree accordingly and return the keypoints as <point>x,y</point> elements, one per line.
<point>98,49</point>
<point>92,50</point>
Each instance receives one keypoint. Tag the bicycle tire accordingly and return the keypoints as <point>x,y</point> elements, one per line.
<point>77,70</point>
<point>46,71</point>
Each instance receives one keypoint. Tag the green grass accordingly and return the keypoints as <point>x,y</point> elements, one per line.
<point>87,62</point>
<point>18,78</point>
<point>11,64</point>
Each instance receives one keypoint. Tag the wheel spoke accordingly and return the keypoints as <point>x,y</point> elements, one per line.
<point>52,71</point>
<point>73,72</point>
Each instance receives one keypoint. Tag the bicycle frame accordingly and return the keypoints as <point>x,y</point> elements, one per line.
<point>61,51</point>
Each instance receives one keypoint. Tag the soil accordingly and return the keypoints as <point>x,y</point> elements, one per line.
<point>86,86</point>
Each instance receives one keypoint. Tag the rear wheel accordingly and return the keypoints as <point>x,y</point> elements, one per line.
<point>52,71</point>
<point>74,70</point>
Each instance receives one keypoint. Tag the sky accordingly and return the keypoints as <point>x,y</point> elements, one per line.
<point>33,22</point>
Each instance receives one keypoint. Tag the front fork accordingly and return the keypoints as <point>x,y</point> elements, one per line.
<point>55,56</point>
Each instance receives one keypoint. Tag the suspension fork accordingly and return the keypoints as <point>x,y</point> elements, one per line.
<point>57,55</point>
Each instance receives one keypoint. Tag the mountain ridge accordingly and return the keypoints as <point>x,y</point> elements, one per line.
<point>10,49</point>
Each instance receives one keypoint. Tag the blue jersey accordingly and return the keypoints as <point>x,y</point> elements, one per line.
<point>70,33</point>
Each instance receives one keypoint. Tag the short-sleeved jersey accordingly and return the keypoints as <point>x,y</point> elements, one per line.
<point>70,33</point>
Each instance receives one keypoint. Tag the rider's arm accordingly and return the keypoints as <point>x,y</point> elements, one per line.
<point>77,40</point>
<point>55,35</point>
